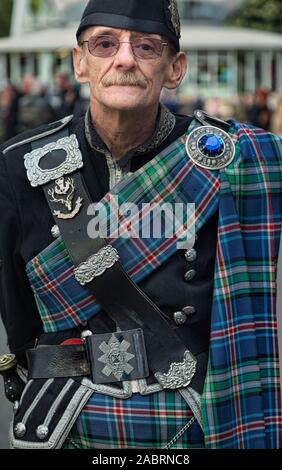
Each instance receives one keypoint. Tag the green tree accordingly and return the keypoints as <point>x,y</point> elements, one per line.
<point>35,6</point>
<point>259,14</point>
<point>6,7</point>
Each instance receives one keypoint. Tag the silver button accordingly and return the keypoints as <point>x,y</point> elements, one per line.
<point>42,432</point>
<point>190,310</point>
<point>55,231</point>
<point>20,430</point>
<point>190,275</point>
<point>191,255</point>
<point>16,406</point>
<point>179,318</point>
<point>86,333</point>
<point>199,114</point>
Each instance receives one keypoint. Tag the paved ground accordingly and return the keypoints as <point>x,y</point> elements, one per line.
<point>6,409</point>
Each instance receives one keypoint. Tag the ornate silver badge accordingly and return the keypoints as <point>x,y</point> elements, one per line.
<point>63,193</point>
<point>175,19</point>
<point>180,374</point>
<point>210,147</point>
<point>7,362</point>
<point>116,358</point>
<point>73,161</point>
<point>96,265</point>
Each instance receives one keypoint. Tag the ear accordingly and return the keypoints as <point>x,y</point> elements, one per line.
<point>176,71</point>
<point>80,64</point>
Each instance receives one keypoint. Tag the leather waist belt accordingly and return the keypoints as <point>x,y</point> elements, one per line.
<point>107,358</point>
<point>97,267</point>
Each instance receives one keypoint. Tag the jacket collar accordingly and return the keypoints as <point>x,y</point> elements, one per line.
<point>165,124</point>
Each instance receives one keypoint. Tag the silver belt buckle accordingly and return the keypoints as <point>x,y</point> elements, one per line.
<point>117,357</point>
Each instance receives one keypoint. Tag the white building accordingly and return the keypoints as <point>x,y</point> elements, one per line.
<point>223,61</point>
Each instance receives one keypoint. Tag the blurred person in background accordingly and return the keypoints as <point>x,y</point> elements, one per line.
<point>9,99</point>
<point>277,117</point>
<point>128,342</point>
<point>33,108</point>
<point>259,113</point>
<point>65,96</point>
<point>241,104</point>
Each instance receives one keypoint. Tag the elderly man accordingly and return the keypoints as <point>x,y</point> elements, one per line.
<point>128,341</point>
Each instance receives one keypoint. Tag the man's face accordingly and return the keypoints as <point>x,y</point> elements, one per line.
<point>123,81</point>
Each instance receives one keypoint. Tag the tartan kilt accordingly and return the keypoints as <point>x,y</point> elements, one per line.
<point>149,421</point>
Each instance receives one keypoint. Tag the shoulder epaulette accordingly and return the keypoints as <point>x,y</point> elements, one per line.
<point>42,132</point>
<point>206,119</point>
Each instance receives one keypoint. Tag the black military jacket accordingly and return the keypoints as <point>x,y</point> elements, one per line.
<point>25,230</point>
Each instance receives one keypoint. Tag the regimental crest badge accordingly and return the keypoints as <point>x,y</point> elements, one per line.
<point>119,356</point>
<point>174,17</point>
<point>116,357</point>
<point>64,193</point>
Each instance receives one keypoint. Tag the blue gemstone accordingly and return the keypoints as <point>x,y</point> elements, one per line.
<point>211,145</point>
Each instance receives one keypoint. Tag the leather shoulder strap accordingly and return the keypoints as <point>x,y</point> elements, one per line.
<point>97,265</point>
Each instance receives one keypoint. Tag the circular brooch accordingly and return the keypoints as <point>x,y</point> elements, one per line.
<point>210,147</point>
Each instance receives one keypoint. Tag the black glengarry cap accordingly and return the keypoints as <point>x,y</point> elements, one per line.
<point>145,16</point>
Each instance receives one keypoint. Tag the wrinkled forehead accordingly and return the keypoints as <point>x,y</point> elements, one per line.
<point>116,32</point>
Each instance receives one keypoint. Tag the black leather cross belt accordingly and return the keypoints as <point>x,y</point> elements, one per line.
<point>97,266</point>
<point>107,358</point>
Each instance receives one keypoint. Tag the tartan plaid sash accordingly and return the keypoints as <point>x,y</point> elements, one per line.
<point>241,404</point>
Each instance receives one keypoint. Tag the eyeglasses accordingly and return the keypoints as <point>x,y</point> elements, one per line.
<point>108,46</point>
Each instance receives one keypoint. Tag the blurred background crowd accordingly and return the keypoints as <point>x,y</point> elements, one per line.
<point>261,109</point>
<point>32,104</point>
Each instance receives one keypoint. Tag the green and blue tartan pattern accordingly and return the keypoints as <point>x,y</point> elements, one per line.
<point>61,301</point>
<point>241,404</point>
<point>150,421</point>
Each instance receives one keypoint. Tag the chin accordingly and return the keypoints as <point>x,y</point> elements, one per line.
<point>126,99</point>
<point>126,105</point>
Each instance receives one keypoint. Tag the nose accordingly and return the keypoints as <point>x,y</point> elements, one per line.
<point>125,58</point>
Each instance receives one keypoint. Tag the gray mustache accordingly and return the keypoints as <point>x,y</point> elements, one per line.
<point>127,79</point>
